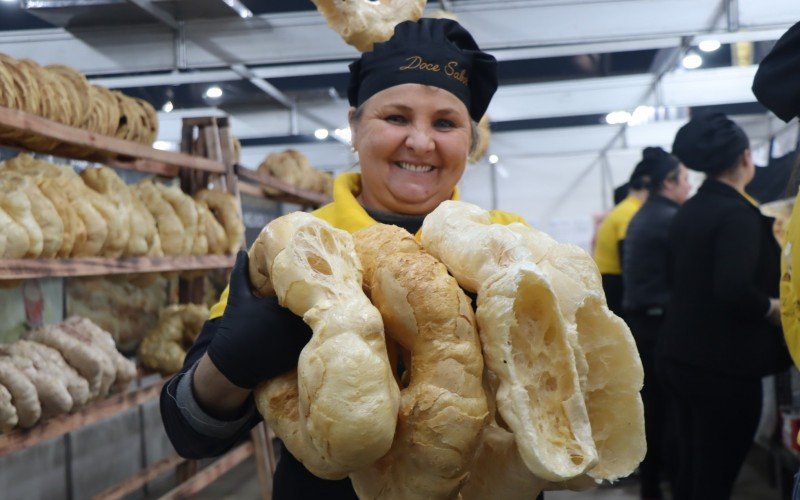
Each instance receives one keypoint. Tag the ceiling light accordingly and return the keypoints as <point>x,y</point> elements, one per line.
<point>642,115</point>
<point>709,45</point>
<point>343,134</point>
<point>167,107</point>
<point>618,117</point>
<point>163,145</point>
<point>321,133</point>
<point>10,1</point>
<point>214,92</point>
<point>692,61</point>
<point>493,159</point>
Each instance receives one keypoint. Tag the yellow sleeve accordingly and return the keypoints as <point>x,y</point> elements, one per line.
<point>790,284</point>
<point>219,308</point>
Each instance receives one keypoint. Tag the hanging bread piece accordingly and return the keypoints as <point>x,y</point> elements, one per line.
<point>73,228</point>
<point>338,413</point>
<point>118,306</point>
<point>51,391</point>
<point>443,408</point>
<point>50,361</point>
<point>43,211</point>
<point>226,210</point>
<point>184,208</point>
<point>78,88</point>
<point>124,369</point>
<point>14,240</point>
<point>164,347</point>
<point>23,393</point>
<point>170,228</point>
<point>524,335</point>
<point>144,232</point>
<point>16,204</point>
<point>90,363</point>
<point>116,200</point>
<point>361,23</point>
<point>215,234</point>
<point>8,414</point>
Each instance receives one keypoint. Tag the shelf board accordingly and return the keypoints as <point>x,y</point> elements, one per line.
<point>109,150</point>
<point>24,438</point>
<point>208,475</point>
<point>97,266</point>
<point>290,194</point>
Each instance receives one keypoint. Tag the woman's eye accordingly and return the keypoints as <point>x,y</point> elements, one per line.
<point>395,119</point>
<point>442,123</point>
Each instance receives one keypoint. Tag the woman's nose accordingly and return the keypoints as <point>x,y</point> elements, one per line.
<point>420,139</point>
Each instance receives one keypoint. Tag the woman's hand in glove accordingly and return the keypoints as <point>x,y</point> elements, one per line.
<point>257,339</point>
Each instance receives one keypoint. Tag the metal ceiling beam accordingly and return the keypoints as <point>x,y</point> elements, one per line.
<point>157,12</point>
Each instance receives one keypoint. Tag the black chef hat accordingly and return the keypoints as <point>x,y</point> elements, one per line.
<point>655,166</point>
<point>710,143</point>
<point>777,81</point>
<point>436,52</point>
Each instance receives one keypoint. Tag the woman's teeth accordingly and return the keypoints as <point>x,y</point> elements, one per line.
<point>414,168</point>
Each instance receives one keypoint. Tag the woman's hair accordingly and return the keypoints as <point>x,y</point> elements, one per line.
<point>656,185</point>
<point>473,127</point>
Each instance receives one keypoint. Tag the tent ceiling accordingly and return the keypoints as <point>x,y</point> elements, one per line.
<point>628,49</point>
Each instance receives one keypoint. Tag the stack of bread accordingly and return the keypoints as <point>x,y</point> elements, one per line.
<point>62,94</point>
<point>48,210</point>
<point>119,306</point>
<point>538,390</point>
<point>164,347</point>
<point>293,167</point>
<point>58,369</point>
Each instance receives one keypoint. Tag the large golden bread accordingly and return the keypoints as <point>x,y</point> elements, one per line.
<point>525,338</point>
<point>227,212</point>
<point>444,407</point>
<point>339,414</point>
<point>362,23</point>
<point>16,203</point>
<point>118,206</point>
<point>170,227</point>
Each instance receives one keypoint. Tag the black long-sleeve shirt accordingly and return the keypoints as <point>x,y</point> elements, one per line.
<point>645,262</point>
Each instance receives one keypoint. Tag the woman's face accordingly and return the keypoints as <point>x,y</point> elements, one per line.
<point>412,142</point>
<point>678,189</point>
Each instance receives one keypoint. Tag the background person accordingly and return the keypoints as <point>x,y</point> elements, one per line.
<point>721,333</point>
<point>645,274</point>
<point>610,237</point>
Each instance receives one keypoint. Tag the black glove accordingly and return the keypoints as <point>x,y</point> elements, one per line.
<point>257,339</point>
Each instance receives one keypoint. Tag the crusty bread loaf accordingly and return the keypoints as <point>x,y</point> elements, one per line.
<point>525,338</point>
<point>361,24</point>
<point>164,347</point>
<point>15,202</point>
<point>184,208</point>
<point>170,227</point>
<point>227,212</point>
<point>8,413</point>
<point>443,408</point>
<point>347,399</point>
<point>23,393</point>
<point>113,189</point>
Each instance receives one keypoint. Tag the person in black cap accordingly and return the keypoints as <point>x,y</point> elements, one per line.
<point>721,333</point>
<point>610,239</point>
<point>645,268</point>
<point>415,102</point>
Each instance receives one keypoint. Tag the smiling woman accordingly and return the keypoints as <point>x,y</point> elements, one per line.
<point>415,101</point>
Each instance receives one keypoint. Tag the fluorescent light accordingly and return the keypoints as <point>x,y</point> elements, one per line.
<point>692,61</point>
<point>244,14</point>
<point>321,133</point>
<point>642,115</point>
<point>493,159</point>
<point>709,45</point>
<point>167,107</point>
<point>618,117</point>
<point>343,134</point>
<point>214,92</point>
<point>163,145</point>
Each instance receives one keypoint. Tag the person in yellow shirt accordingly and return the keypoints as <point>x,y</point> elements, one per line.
<point>611,235</point>
<point>413,129</point>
